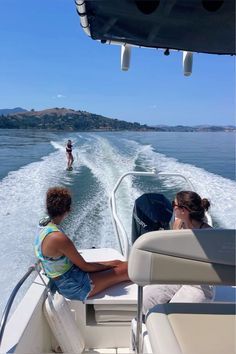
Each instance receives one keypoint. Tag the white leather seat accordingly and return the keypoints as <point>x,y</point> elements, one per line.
<point>192,328</point>
<point>186,257</point>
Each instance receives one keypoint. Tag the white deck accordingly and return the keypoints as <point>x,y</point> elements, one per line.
<point>112,331</point>
<point>28,331</point>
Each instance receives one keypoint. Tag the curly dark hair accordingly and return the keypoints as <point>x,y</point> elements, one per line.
<point>58,201</point>
<point>193,203</point>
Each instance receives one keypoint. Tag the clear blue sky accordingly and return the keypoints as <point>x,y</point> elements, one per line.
<point>47,61</point>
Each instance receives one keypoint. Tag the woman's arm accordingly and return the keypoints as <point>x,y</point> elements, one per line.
<point>177,224</point>
<point>67,248</point>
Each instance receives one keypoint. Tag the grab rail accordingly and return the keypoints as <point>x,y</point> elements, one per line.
<point>123,240</point>
<point>11,299</point>
<point>120,231</point>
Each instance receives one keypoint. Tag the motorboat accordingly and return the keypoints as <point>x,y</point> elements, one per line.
<point>46,323</point>
<point>112,321</point>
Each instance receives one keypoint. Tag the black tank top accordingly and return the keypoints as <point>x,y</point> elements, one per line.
<point>68,148</point>
<point>181,226</point>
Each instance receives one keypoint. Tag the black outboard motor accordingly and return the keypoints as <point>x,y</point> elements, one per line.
<point>152,211</point>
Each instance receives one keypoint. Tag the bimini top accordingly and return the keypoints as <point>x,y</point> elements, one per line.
<point>205,26</point>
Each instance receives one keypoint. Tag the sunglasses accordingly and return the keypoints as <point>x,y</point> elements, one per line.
<point>179,206</point>
<point>176,205</point>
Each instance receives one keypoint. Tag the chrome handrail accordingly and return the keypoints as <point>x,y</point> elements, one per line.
<point>123,239</point>
<point>11,299</point>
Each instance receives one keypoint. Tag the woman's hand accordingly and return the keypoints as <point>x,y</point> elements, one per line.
<point>113,263</point>
<point>66,247</point>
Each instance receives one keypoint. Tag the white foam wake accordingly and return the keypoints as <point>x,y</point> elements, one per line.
<point>58,146</point>
<point>107,164</point>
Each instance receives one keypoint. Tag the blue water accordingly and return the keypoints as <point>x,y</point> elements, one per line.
<point>32,161</point>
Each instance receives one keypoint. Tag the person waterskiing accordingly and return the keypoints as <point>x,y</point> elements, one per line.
<point>70,158</point>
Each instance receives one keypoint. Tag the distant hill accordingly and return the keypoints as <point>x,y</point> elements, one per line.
<point>66,119</point>
<point>7,111</point>
<point>71,120</point>
<point>197,128</point>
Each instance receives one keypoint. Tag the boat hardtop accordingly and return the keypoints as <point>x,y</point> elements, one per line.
<point>206,26</point>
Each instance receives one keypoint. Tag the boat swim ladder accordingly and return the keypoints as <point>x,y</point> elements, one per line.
<point>119,228</point>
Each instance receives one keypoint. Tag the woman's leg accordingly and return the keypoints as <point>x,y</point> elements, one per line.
<point>194,293</point>
<point>68,159</point>
<point>71,159</point>
<point>158,294</point>
<point>105,279</point>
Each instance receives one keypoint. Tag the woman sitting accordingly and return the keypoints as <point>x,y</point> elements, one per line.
<point>67,270</point>
<point>189,211</point>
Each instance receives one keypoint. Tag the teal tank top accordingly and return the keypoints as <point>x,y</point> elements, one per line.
<point>53,267</point>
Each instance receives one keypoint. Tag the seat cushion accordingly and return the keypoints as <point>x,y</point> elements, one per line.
<point>179,328</point>
<point>115,312</point>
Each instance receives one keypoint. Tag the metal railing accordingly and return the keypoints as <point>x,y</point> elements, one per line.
<point>119,228</point>
<point>14,292</point>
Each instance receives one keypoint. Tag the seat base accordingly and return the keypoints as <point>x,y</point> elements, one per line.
<point>183,328</point>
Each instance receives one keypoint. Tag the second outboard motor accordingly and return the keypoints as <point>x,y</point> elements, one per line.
<point>152,211</point>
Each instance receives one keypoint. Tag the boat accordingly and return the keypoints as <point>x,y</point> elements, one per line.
<point>112,321</point>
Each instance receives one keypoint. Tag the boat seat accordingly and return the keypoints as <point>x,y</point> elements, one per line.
<point>115,304</point>
<point>205,256</point>
<point>178,328</point>
<point>114,313</point>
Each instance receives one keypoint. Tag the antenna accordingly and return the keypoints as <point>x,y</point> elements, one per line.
<point>187,63</point>
<point>125,57</point>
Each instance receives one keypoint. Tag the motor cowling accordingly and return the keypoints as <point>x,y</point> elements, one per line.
<point>152,211</point>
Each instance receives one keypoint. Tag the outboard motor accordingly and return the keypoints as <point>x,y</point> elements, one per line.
<point>152,211</point>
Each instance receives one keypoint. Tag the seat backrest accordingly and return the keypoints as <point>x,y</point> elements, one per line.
<point>205,256</point>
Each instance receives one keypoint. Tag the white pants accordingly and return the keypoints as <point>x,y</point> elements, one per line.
<point>161,294</point>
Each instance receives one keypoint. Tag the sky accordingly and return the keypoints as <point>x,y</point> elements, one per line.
<point>48,61</point>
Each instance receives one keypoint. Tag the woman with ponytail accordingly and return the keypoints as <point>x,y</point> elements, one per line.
<point>190,210</point>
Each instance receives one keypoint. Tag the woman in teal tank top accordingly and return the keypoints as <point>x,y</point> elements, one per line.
<point>67,270</point>
<point>53,267</point>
